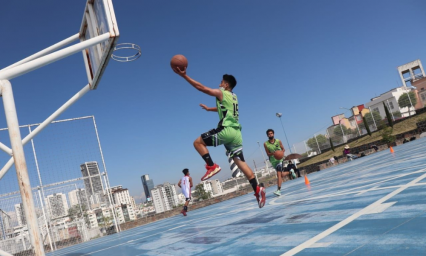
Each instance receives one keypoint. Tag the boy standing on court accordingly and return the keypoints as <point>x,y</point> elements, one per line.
<point>186,184</point>
<point>228,131</point>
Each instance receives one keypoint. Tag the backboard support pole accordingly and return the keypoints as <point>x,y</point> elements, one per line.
<point>24,68</point>
<point>46,122</point>
<point>21,167</point>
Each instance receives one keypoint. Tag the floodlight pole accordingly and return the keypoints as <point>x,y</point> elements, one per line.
<point>372,116</point>
<point>21,166</point>
<point>266,165</point>
<point>279,116</point>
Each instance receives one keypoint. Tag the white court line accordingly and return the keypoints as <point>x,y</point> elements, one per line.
<point>351,218</point>
<point>346,192</point>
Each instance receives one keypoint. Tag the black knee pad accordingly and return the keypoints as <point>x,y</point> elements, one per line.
<point>240,156</point>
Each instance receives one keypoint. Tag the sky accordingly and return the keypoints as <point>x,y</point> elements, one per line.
<point>304,59</point>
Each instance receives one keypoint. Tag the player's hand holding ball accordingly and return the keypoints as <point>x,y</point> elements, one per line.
<point>179,63</point>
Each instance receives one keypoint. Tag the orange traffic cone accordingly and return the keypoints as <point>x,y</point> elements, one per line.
<point>306,180</point>
<point>391,149</point>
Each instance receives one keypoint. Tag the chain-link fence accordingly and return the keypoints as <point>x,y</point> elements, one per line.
<point>347,129</point>
<point>70,189</point>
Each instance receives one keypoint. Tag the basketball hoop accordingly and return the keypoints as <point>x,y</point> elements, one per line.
<point>123,46</point>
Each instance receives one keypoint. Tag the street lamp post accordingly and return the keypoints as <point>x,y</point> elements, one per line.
<point>279,116</point>
<point>266,165</point>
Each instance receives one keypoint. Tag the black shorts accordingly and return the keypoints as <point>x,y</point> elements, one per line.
<point>187,199</point>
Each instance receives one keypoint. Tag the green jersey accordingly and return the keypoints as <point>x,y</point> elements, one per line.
<point>272,147</point>
<point>228,110</point>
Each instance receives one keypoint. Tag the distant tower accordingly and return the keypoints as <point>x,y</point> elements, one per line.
<point>92,181</point>
<point>411,72</point>
<point>147,185</point>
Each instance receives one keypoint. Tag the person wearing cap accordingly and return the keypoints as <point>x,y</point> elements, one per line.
<point>347,153</point>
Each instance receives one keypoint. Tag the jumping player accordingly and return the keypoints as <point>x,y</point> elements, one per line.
<point>272,145</point>
<point>228,131</point>
<point>186,184</point>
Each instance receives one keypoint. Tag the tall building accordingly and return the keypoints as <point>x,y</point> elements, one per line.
<point>216,187</point>
<point>413,74</point>
<point>57,205</point>
<point>93,180</point>
<point>79,197</point>
<point>164,197</point>
<point>148,185</point>
<point>121,195</point>
<point>20,214</point>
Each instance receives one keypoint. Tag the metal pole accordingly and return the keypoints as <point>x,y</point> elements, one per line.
<point>411,103</point>
<point>46,51</point>
<point>285,135</point>
<point>109,192</point>
<point>21,166</point>
<point>266,165</point>
<point>317,143</point>
<point>372,116</point>
<point>306,147</point>
<point>50,58</point>
<point>340,124</point>
<point>356,124</point>
<point>390,110</point>
<point>45,220</point>
<point>3,253</point>
<point>255,168</point>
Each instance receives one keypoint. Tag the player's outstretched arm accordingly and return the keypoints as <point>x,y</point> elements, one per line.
<point>190,182</point>
<point>179,183</point>
<point>214,109</point>
<point>199,86</point>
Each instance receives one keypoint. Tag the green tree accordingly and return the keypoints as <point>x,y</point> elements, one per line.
<point>369,118</point>
<point>367,127</point>
<point>312,143</point>
<point>201,192</point>
<point>75,211</point>
<point>338,130</point>
<point>387,136</point>
<point>388,115</point>
<point>404,100</point>
<point>397,114</point>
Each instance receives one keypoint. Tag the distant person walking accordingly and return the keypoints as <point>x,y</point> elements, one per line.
<point>186,184</point>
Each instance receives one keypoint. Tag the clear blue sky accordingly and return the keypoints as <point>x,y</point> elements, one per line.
<point>302,58</point>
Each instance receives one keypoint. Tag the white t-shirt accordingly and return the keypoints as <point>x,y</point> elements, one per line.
<point>186,186</point>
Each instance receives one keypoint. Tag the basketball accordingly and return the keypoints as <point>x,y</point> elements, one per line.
<point>279,154</point>
<point>179,61</point>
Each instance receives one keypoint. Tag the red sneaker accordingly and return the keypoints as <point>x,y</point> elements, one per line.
<point>211,171</point>
<point>183,212</point>
<point>260,196</point>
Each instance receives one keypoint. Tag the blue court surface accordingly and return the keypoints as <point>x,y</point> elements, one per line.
<point>375,205</point>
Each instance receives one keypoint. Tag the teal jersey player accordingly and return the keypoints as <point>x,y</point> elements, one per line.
<point>227,132</point>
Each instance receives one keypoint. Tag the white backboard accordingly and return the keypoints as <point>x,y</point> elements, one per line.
<point>98,19</point>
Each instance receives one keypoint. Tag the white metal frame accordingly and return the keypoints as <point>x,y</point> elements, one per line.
<point>33,62</point>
